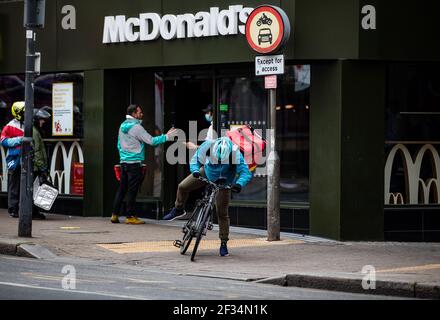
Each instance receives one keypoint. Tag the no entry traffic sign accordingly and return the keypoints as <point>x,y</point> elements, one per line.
<point>267,29</point>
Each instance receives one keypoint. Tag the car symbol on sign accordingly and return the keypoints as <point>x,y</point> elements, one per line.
<point>265,35</point>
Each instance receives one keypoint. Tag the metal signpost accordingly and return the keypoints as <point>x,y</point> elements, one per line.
<point>33,18</point>
<point>273,175</point>
<point>267,31</point>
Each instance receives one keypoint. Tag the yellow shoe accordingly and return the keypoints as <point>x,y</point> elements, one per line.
<point>115,218</point>
<point>133,220</point>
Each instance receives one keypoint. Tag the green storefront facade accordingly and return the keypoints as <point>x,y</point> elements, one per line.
<point>373,68</point>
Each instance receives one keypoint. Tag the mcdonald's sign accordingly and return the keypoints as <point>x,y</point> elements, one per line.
<point>62,178</point>
<point>417,190</point>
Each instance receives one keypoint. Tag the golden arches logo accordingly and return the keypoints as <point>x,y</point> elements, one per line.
<point>396,198</point>
<point>59,177</point>
<point>64,175</point>
<point>426,189</point>
<point>416,187</point>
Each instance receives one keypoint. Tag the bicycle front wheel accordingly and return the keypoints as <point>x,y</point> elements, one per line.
<point>199,232</point>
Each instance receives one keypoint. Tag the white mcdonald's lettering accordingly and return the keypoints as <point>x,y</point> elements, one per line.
<point>4,175</point>
<point>412,172</point>
<point>64,175</point>
<point>150,26</point>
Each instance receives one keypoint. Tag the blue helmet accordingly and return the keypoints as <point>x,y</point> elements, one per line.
<point>222,148</point>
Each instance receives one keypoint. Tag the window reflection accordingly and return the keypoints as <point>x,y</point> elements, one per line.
<point>243,100</point>
<point>412,134</point>
<point>293,99</point>
<point>66,173</point>
<point>12,89</point>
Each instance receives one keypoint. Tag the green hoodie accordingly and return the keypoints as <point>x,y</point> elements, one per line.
<point>131,139</point>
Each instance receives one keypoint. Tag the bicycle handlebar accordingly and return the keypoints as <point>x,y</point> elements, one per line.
<point>215,185</point>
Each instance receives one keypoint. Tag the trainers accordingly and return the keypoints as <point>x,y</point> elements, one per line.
<point>133,220</point>
<point>115,218</point>
<point>174,214</point>
<point>13,214</point>
<point>185,216</point>
<point>224,249</point>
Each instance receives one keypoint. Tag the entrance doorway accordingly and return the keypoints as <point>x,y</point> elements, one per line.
<point>184,99</point>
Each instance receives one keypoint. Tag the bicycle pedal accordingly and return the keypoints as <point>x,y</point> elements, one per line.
<point>210,226</point>
<point>177,243</point>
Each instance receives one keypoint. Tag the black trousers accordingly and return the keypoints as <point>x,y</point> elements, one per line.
<point>14,177</point>
<point>131,178</point>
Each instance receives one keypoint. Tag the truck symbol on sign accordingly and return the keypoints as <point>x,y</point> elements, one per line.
<point>265,35</point>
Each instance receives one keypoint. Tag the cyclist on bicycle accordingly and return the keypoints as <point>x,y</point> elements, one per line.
<point>217,160</point>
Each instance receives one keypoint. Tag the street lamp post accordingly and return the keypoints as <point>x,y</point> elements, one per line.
<point>33,18</point>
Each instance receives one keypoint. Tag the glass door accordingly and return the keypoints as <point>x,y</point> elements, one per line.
<point>185,96</point>
<point>241,101</point>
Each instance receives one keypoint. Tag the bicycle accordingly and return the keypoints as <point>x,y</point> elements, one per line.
<point>201,218</point>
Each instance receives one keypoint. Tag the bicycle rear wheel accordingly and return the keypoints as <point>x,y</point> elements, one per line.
<point>189,233</point>
<point>199,232</point>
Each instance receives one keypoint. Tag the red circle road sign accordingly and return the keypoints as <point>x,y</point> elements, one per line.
<point>267,29</point>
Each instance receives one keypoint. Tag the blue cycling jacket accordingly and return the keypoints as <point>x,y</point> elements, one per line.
<point>236,173</point>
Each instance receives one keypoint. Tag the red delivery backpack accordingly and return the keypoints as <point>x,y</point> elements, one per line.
<point>251,144</point>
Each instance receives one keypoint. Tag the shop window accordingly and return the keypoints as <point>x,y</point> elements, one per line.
<point>293,119</point>
<point>412,142</point>
<point>243,100</point>
<point>153,123</point>
<point>63,146</point>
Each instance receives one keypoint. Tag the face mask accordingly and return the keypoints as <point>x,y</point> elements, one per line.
<point>208,117</point>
